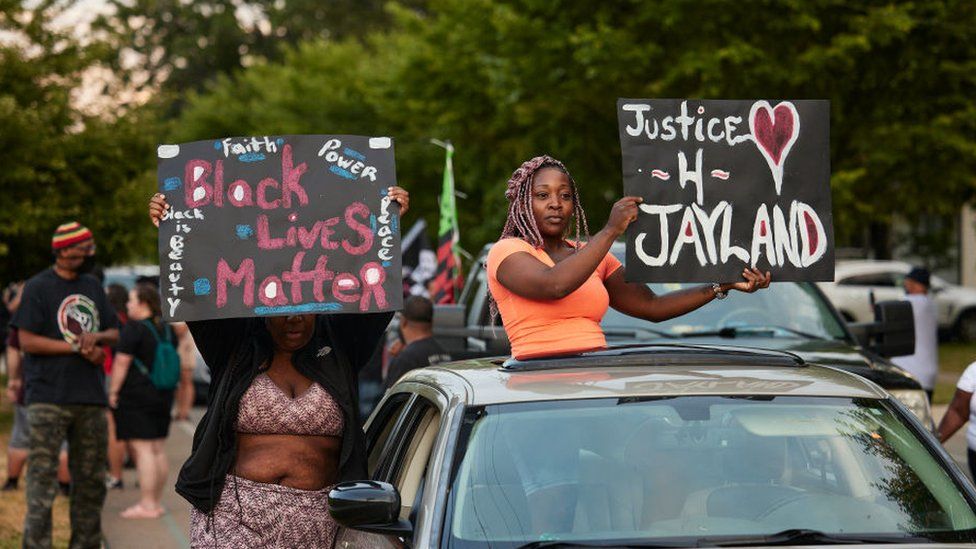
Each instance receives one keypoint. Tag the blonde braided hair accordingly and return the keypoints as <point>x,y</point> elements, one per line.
<point>521,221</point>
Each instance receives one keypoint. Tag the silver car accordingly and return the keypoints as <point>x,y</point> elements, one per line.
<point>661,445</point>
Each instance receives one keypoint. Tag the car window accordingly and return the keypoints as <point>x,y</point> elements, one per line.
<point>873,279</point>
<point>402,460</point>
<point>410,465</point>
<point>693,467</point>
<point>380,429</point>
<point>785,309</point>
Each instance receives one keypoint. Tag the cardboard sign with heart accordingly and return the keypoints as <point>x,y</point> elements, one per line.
<point>709,209</point>
<point>774,130</point>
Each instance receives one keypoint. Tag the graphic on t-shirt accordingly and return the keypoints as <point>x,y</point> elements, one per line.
<point>76,315</point>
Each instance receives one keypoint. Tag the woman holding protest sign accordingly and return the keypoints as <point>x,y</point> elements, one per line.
<point>282,425</point>
<point>553,292</point>
<point>141,403</point>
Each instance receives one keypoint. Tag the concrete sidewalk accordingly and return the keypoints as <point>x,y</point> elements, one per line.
<point>172,530</point>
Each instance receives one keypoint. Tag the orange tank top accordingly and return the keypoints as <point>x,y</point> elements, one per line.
<point>547,327</point>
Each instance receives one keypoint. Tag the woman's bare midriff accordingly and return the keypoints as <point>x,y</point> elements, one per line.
<point>297,461</point>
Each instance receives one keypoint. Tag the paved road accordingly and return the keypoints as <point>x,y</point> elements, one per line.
<point>173,529</point>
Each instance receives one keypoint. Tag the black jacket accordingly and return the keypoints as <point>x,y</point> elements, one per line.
<point>236,350</point>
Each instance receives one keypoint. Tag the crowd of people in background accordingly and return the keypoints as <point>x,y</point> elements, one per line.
<point>90,348</point>
<point>79,359</point>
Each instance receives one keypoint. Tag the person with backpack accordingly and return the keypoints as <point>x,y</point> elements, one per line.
<point>145,373</point>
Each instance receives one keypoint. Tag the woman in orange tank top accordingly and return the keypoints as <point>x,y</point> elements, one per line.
<point>553,292</point>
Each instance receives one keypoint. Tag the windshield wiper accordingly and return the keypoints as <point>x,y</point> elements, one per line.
<point>683,542</point>
<point>621,331</point>
<point>734,331</point>
<point>801,535</point>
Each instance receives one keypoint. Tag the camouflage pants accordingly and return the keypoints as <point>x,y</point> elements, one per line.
<point>85,428</point>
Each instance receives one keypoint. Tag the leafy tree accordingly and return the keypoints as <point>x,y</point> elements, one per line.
<point>503,80</point>
<point>308,20</point>
<point>174,46</point>
<point>59,163</point>
<point>171,45</point>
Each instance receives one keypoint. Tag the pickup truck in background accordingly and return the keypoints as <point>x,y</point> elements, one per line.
<point>788,316</point>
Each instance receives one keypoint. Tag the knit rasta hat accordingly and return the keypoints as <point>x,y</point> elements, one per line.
<point>69,234</point>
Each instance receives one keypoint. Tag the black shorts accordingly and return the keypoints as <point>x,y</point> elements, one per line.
<point>147,422</point>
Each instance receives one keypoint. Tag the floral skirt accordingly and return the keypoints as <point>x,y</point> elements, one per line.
<point>254,514</point>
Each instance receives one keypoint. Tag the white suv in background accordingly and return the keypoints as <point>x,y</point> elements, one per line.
<point>855,281</point>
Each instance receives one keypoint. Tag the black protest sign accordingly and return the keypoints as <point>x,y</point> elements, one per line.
<point>727,184</point>
<point>276,225</point>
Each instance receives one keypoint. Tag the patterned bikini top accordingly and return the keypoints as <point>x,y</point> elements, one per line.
<point>266,410</point>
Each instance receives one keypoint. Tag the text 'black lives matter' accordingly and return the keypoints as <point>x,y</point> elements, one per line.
<point>726,185</point>
<point>276,225</point>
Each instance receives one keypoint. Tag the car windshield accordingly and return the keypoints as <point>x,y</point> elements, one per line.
<point>692,468</point>
<point>785,309</point>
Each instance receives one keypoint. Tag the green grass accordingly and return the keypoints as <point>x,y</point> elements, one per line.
<point>953,359</point>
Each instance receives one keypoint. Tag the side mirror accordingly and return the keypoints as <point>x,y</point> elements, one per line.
<point>450,327</point>
<point>370,506</point>
<point>896,333</point>
<point>893,331</point>
<point>449,316</point>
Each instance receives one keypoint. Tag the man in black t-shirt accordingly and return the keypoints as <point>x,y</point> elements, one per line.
<point>63,320</point>
<point>421,349</point>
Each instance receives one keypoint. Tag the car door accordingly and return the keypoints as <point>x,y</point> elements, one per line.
<point>399,444</point>
<point>381,435</point>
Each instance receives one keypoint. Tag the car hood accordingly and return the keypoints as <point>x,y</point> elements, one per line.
<point>833,353</point>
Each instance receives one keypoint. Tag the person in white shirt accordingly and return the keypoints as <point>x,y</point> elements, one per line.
<point>924,364</point>
<point>961,409</point>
